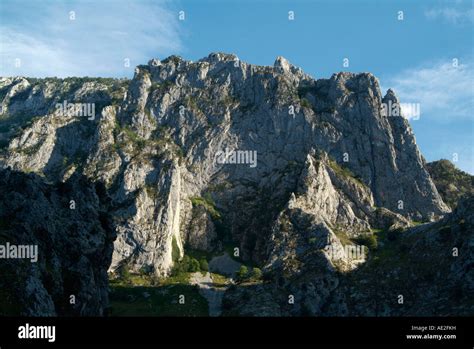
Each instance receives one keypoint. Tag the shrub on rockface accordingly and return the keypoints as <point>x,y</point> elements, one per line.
<point>256,274</point>
<point>368,240</point>
<point>194,265</point>
<point>243,272</point>
<point>204,265</point>
<point>186,265</point>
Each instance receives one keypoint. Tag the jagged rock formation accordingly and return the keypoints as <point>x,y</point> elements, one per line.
<point>74,242</point>
<point>299,173</point>
<point>154,142</point>
<point>452,183</point>
<point>425,270</point>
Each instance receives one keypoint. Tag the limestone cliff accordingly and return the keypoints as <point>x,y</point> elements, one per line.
<point>289,168</point>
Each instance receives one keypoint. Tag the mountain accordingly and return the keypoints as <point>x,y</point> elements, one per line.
<point>284,169</point>
<point>452,183</point>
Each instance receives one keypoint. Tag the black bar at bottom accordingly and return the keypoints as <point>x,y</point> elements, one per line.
<point>220,332</point>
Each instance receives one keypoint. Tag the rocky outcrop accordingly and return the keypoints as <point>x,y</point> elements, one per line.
<point>202,233</point>
<point>420,271</point>
<point>158,141</point>
<point>69,224</point>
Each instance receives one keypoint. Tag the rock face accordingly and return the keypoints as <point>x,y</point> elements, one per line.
<point>425,270</point>
<point>69,224</point>
<point>197,153</point>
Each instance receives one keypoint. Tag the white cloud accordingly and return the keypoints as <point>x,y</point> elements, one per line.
<point>443,90</point>
<point>451,15</point>
<point>96,43</point>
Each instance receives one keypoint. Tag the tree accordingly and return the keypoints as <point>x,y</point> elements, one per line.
<point>368,240</point>
<point>204,265</point>
<point>243,271</point>
<point>124,274</point>
<point>193,265</point>
<point>256,273</point>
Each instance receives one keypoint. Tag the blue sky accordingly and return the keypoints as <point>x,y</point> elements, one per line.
<point>414,56</point>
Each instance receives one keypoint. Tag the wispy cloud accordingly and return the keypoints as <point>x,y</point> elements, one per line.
<point>453,15</point>
<point>443,89</point>
<point>96,43</point>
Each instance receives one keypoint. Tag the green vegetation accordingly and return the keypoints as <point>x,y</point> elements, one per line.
<point>115,87</point>
<point>219,280</point>
<point>220,187</point>
<point>208,203</point>
<point>175,59</point>
<point>174,250</point>
<point>246,275</point>
<point>416,223</point>
<point>159,299</point>
<point>117,92</point>
<point>143,294</point>
<point>342,236</point>
<point>179,152</point>
<point>189,265</point>
<point>77,80</point>
<point>125,136</point>
<point>191,103</point>
<point>243,272</point>
<point>368,240</point>
<point>452,183</point>
<point>228,100</point>
<point>182,278</point>
<point>130,137</point>
<point>344,172</point>
<point>198,254</point>
<point>285,224</point>
<point>256,273</point>
<point>204,266</point>
<point>161,87</point>
<point>305,103</point>
<point>397,264</point>
<point>303,90</point>
<point>134,137</point>
<point>154,87</point>
<point>151,191</point>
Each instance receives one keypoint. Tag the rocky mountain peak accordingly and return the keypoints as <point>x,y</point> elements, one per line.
<point>391,96</point>
<point>216,57</point>
<point>282,64</point>
<point>240,135</point>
